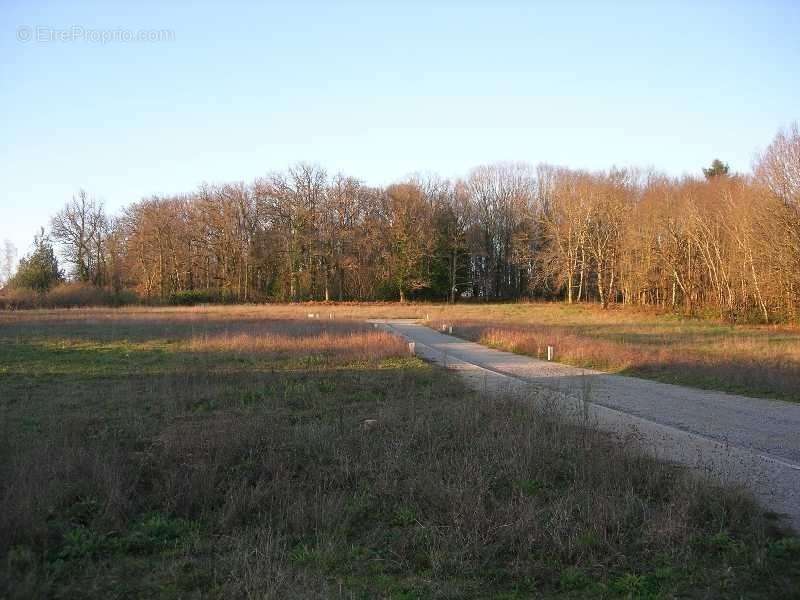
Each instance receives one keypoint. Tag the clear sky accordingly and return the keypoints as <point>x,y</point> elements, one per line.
<point>377,89</point>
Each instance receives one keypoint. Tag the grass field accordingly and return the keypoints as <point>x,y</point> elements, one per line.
<point>755,360</point>
<point>253,452</point>
<point>752,360</point>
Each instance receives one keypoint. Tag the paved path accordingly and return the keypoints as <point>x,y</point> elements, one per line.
<point>749,441</point>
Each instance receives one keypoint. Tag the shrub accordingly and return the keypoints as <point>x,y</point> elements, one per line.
<point>66,295</point>
<point>194,297</point>
<point>18,298</point>
<point>84,294</point>
<point>76,294</point>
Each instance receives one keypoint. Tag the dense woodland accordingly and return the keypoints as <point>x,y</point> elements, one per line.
<point>721,243</point>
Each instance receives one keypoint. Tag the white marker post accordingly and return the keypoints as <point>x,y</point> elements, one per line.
<point>450,330</point>
<point>550,353</point>
<point>411,348</point>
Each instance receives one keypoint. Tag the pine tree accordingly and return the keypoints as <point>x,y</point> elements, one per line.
<point>717,169</point>
<point>39,270</point>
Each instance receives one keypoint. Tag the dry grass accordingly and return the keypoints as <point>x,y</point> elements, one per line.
<point>334,341</point>
<point>748,359</point>
<point>754,360</point>
<point>222,453</point>
<point>762,360</point>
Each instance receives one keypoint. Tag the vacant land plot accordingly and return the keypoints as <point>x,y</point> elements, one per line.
<point>754,360</point>
<point>751,360</point>
<point>253,452</point>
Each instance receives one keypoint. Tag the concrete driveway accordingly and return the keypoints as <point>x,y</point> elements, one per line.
<point>748,441</point>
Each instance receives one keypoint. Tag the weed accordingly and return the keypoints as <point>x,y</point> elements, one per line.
<point>221,452</point>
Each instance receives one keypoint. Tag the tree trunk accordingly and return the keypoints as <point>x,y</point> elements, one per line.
<point>453,260</point>
<point>569,287</point>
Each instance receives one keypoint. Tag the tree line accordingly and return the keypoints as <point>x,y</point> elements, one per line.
<point>723,243</point>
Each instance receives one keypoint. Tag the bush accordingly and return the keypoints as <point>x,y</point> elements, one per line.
<point>76,294</point>
<point>66,295</point>
<point>194,297</point>
<point>18,298</point>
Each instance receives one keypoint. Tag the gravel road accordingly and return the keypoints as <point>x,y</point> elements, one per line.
<point>747,441</point>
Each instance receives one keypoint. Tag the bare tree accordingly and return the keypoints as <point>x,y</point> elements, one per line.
<point>727,243</point>
<point>8,262</point>
<point>80,228</point>
<point>501,196</point>
<point>566,223</point>
<point>778,169</point>
<point>779,166</point>
<point>410,239</point>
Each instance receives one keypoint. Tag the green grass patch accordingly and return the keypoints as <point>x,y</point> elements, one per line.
<point>147,467</point>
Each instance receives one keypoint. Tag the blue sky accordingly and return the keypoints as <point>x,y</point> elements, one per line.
<point>379,90</point>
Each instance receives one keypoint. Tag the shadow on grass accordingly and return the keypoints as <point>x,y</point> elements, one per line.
<point>158,327</point>
<point>235,474</point>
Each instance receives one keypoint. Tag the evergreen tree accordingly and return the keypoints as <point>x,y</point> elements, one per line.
<point>717,169</point>
<point>39,270</point>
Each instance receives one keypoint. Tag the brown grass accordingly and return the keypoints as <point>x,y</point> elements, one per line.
<point>330,340</point>
<point>761,362</point>
<point>748,359</point>
<point>222,453</point>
